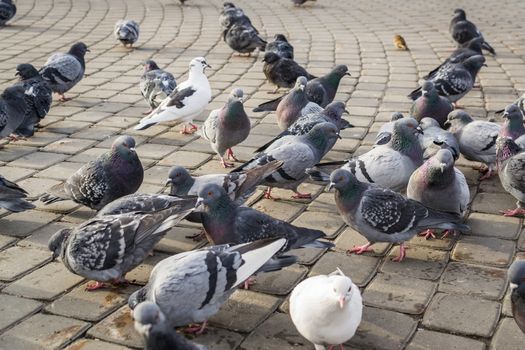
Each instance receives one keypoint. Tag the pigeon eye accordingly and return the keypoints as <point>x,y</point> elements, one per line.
<point>350,289</point>
<point>210,193</point>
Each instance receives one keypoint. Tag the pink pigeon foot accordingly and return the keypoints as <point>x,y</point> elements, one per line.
<point>225,164</point>
<point>360,249</point>
<point>197,329</point>
<point>456,105</point>
<point>427,234</point>
<point>518,212</point>
<point>63,98</point>
<point>268,194</point>
<point>249,282</point>
<point>96,285</point>
<point>402,253</point>
<point>299,195</point>
<point>230,155</point>
<point>14,138</point>
<point>448,232</point>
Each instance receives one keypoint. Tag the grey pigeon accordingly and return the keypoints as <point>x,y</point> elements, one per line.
<point>332,114</point>
<point>65,70</point>
<point>127,32</point>
<point>298,152</point>
<point>382,215</point>
<point>106,247</point>
<point>155,84</point>
<point>510,160</point>
<point>385,132</point>
<point>320,90</point>
<point>477,139</point>
<point>463,30</point>
<point>38,95</point>
<point>227,127</point>
<point>439,185</point>
<point>231,14</point>
<point>150,322</point>
<point>112,175</point>
<point>434,138</point>
<point>280,46</point>
<point>456,80</point>
<point>7,11</point>
<point>516,275</point>
<point>283,72</point>
<point>191,287</point>
<point>513,125</point>
<point>140,202</point>
<point>243,38</point>
<point>15,108</point>
<point>12,196</point>
<point>431,105</point>
<point>300,2</point>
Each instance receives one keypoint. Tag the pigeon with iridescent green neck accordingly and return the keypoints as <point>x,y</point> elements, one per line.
<point>513,125</point>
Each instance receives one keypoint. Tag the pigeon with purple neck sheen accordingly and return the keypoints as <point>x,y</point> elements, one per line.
<point>112,175</point>
<point>463,30</point>
<point>283,72</point>
<point>385,132</point>
<point>516,276</point>
<point>227,127</point>
<point>431,105</point>
<point>280,46</point>
<point>7,11</point>
<point>12,196</point>
<point>155,84</point>
<point>513,125</point>
<point>510,161</point>
<point>382,215</point>
<point>434,138</point>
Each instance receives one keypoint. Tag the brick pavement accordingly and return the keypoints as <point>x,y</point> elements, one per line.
<point>448,294</point>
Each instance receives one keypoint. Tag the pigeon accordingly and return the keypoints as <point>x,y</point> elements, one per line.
<point>106,247</point>
<point>516,275</point>
<point>280,46</point>
<point>187,101</point>
<point>231,14</point>
<point>155,84</point>
<point>389,165</point>
<point>7,11</point>
<point>150,322</point>
<point>65,70</point>
<point>140,202</point>
<point>326,309</point>
<point>298,153</point>
<point>431,105</point>
<point>439,185</point>
<point>385,132</point>
<point>520,102</point>
<point>510,161</point>
<point>463,30</point>
<point>300,2</point>
<point>39,96</point>
<point>456,80</point>
<point>513,125</point>
<point>112,175</point>
<point>332,114</point>
<point>15,108</point>
<point>283,72</point>
<point>243,38</point>
<point>191,287</point>
<point>382,215</point>
<point>127,32</point>
<point>12,196</point>
<point>227,127</point>
<point>477,139</point>
<point>434,138</point>
<point>320,90</point>
<point>400,43</point>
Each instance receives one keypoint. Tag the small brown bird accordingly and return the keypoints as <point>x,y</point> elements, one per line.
<point>400,42</point>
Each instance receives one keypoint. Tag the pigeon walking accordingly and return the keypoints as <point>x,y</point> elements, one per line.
<point>385,132</point>
<point>12,196</point>
<point>434,138</point>
<point>112,175</point>
<point>155,84</point>
<point>65,70</point>
<point>7,11</point>
<point>280,46</point>
<point>15,108</point>
<point>127,32</point>
<point>431,105</point>
<point>227,127</point>
<point>283,72</point>
<point>231,14</point>
<point>513,125</point>
<point>106,247</point>
<point>516,275</point>
<point>382,215</point>
<point>510,160</point>
<point>463,30</point>
<point>187,101</point>
<point>243,38</point>
<point>326,309</point>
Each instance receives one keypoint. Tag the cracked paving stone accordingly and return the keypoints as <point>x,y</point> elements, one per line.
<point>508,336</point>
<point>118,328</point>
<point>13,309</point>
<point>94,344</point>
<point>19,260</point>
<point>428,340</point>
<point>494,225</point>
<point>279,282</point>
<point>420,262</point>
<point>329,223</point>
<point>484,250</point>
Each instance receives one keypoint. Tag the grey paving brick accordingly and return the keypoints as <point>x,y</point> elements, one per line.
<point>18,260</point>
<point>14,309</point>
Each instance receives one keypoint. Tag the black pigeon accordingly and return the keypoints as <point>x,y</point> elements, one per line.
<point>12,196</point>
<point>231,14</point>
<point>463,30</point>
<point>280,46</point>
<point>283,72</point>
<point>7,11</point>
<point>243,38</point>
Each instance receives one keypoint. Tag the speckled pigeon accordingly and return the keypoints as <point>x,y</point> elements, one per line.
<point>385,132</point>
<point>155,84</point>
<point>243,38</point>
<point>280,46</point>
<point>65,70</point>
<point>431,105</point>
<point>434,138</point>
<point>7,11</point>
<point>516,275</point>
<point>382,215</point>
<point>231,14</point>
<point>510,160</point>
<point>150,322</point>
<point>298,152</point>
<point>15,108</point>
<point>112,175</point>
<point>227,127</point>
<point>513,125</point>
<point>127,32</point>
<point>283,72</point>
<point>12,196</point>
<point>463,30</point>
<point>477,139</point>
<point>106,247</point>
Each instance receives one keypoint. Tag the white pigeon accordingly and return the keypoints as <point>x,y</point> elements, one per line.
<point>326,309</point>
<point>186,102</point>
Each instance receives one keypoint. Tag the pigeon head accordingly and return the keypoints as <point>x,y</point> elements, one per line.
<point>124,146</point>
<point>300,83</point>
<point>198,64</point>
<point>513,114</point>
<point>79,50</point>
<point>334,111</point>
<point>426,123</point>
<point>150,65</point>
<point>441,161</point>
<point>342,179</point>
<point>341,288</point>
<point>460,13</point>
<point>56,243</point>
<point>280,37</point>
<point>396,116</point>
<point>211,194</point>
<point>26,71</point>
<point>341,70</point>
<point>180,180</point>
<point>334,77</point>
<point>457,119</point>
<point>323,136</point>
<point>404,138</point>
<point>473,64</point>
<point>147,315</point>
<point>271,57</point>
<point>427,89</point>
<point>505,148</point>
<point>443,144</point>
<point>237,95</point>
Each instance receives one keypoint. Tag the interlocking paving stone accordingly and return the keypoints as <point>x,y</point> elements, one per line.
<point>6,241</point>
<point>484,250</point>
<point>118,328</point>
<point>219,339</point>
<point>190,160</point>
<point>94,344</point>
<point>420,262</point>
<point>38,160</point>
<point>280,282</point>
<point>351,238</point>
<point>18,260</point>
<point>329,223</point>
<point>426,340</point>
<point>22,224</point>
<point>14,309</point>
<point>140,274</point>
<point>494,225</point>
<point>282,210</point>
<point>508,336</point>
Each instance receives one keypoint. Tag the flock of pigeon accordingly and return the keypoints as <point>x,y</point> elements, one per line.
<point>188,288</point>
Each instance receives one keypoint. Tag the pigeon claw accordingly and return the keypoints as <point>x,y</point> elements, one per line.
<point>63,98</point>
<point>402,253</point>
<point>230,155</point>
<point>196,328</point>
<point>299,195</point>
<point>96,285</point>
<point>225,164</point>
<point>268,194</point>
<point>448,232</point>
<point>427,234</point>
<point>249,282</point>
<point>518,212</point>
<point>360,249</point>
<point>148,111</point>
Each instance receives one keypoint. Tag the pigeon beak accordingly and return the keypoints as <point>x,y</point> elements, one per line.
<point>484,65</point>
<point>505,115</point>
<point>442,166</point>
<point>339,136</point>
<point>132,149</point>
<point>346,111</point>
<point>447,124</point>
<point>199,203</point>
<point>88,50</point>
<point>17,74</point>
<point>301,87</point>
<point>419,131</point>
<point>168,182</point>
<point>208,66</point>
<point>55,255</point>
<point>330,186</point>
<point>348,73</point>
<point>341,302</point>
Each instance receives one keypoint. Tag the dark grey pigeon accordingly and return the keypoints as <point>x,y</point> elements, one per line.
<point>513,125</point>
<point>140,202</point>
<point>231,14</point>
<point>227,127</point>
<point>7,11</point>
<point>510,160</point>
<point>385,132</point>
<point>382,215</point>
<point>12,196</point>
<point>127,32</point>
<point>191,287</point>
<point>65,70</point>
<point>283,72</point>
<point>106,247</point>
<point>331,114</point>
<point>156,84</point>
<point>456,80</point>
<point>38,95</point>
<point>112,175</point>
<point>150,322</point>
<point>434,138</point>
<point>431,105</point>
<point>14,109</point>
<point>463,30</point>
<point>516,276</point>
<point>300,2</point>
<point>243,38</point>
<point>280,46</point>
